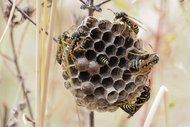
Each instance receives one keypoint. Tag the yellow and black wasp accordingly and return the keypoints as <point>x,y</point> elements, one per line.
<point>67,43</point>
<point>144,65</point>
<point>131,109</point>
<point>63,39</point>
<point>77,36</point>
<point>128,20</point>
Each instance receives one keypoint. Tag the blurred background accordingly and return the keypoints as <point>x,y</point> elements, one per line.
<point>168,28</point>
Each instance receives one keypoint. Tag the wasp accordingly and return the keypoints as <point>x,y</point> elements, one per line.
<point>70,42</point>
<point>144,97</point>
<point>76,38</point>
<point>144,65</point>
<point>128,20</point>
<point>131,109</point>
<point>63,40</point>
<point>102,59</point>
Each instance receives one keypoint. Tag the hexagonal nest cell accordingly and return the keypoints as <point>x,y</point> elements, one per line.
<point>98,74</point>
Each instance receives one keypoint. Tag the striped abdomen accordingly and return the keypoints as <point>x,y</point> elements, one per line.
<point>133,26</point>
<point>136,64</point>
<point>131,109</point>
<point>103,59</point>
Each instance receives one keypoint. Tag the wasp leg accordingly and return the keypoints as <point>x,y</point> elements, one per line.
<point>80,48</point>
<point>124,28</point>
<point>84,38</point>
<point>72,56</point>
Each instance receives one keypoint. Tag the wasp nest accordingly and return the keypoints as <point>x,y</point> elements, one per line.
<point>100,76</point>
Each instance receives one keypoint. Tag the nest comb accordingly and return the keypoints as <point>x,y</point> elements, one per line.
<point>104,86</point>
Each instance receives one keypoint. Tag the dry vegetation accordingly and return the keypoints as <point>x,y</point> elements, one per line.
<point>31,83</point>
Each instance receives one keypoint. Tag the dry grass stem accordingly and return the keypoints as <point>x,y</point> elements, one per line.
<point>42,54</point>
<point>38,65</point>
<point>48,59</point>
<point>29,19</point>
<point>9,21</point>
<point>162,91</point>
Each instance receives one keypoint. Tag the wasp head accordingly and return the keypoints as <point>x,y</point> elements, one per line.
<point>63,37</point>
<point>119,15</point>
<point>77,34</point>
<point>154,58</point>
<point>150,61</point>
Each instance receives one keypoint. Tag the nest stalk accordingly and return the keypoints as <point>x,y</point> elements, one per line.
<point>89,4</point>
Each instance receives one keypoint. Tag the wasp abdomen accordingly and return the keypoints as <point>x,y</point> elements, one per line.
<point>102,59</point>
<point>136,64</point>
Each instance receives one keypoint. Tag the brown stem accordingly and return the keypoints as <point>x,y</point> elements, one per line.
<point>19,75</point>
<point>89,4</point>
<point>91,119</point>
<point>83,2</point>
<point>90,10</point>
<point>103,2</point>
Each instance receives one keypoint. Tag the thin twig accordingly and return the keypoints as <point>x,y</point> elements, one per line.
<point>103,2</point>
<point>23,13</point>
<point>91,118</point>
<point>28,17</point>
<point>6,57</point>
<point>19,75</point>
<point>9,21</point>
<point>83,2</point>
<point>48,59</point>
<point>38,65</point>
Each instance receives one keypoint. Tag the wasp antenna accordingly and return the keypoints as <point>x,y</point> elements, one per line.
<point>111,10</point>
<point>150,46</point>
<point>71,27</point>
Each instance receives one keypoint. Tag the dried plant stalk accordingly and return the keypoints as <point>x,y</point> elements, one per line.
<point>91,118</point>
<point>9,20</point>
<point>43,85</point>
<point>29,19</point>
<point>48,58</point>
<point>38,66</point>
<point>162,91</point>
